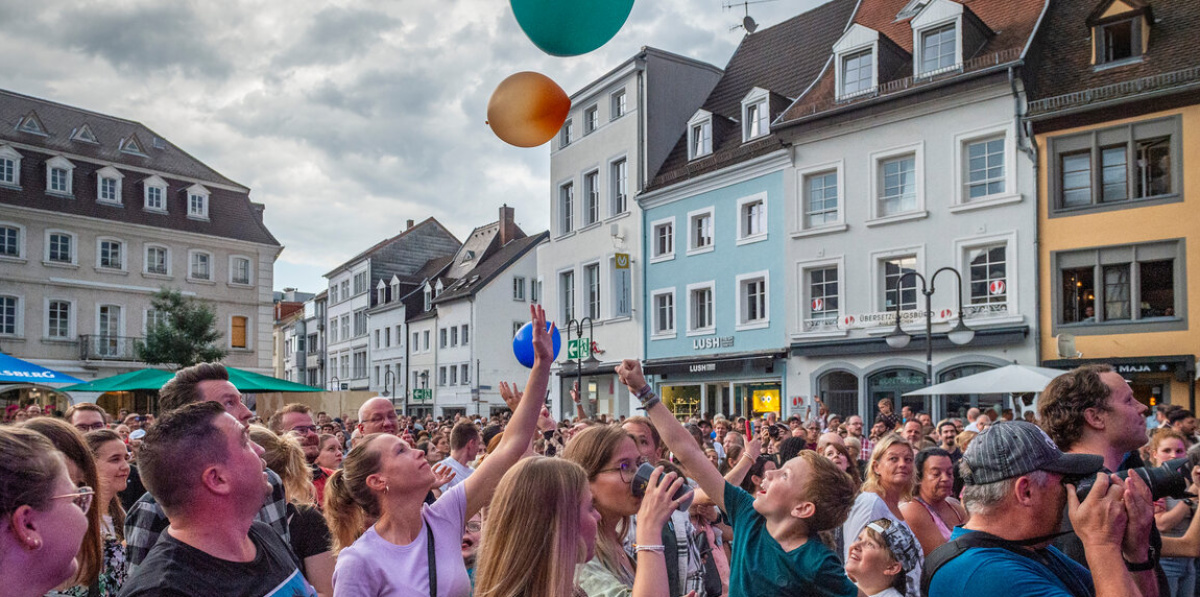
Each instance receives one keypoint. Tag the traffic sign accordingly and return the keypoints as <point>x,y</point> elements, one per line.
<point>621,260</point>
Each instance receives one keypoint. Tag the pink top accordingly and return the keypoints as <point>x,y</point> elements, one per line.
<point>937,520</point>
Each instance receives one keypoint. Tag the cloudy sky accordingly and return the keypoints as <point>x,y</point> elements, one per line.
<point>345,118</point>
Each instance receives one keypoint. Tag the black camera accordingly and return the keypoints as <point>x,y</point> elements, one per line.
<point>1168,480</point>
<point>641,480</point>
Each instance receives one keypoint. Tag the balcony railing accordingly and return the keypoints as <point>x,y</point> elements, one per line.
<point>108,348</point>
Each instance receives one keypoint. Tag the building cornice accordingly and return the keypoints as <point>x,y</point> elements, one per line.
<point>733,174</point>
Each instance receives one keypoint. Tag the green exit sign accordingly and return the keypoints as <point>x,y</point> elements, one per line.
<point>579,348</point>
<point>422,394</point>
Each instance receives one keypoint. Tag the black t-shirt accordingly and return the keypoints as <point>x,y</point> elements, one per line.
<point>309,532</point>
<point>176,569</point>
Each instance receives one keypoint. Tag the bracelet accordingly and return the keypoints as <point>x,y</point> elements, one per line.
<point>653,548</point>
<point>1149,564</point>
<point>650,402</point>
<point>642,393</point>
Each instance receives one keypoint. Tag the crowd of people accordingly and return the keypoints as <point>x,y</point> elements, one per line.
<point>208,499</point>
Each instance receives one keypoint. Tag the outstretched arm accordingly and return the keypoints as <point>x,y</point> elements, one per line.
<point>677,439</point>
<point>519,433</point>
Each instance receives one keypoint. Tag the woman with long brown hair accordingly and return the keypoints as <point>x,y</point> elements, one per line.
<point>610,458</point>
<point>81,467</point>
<point>112,469</point>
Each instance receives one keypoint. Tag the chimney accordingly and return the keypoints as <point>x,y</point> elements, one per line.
<point>410,225</point>
<point>507,227</point>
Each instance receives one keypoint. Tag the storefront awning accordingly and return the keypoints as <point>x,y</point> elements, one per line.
<point>1183,366</point>
<point>878,345</point>
<point>723,363</point>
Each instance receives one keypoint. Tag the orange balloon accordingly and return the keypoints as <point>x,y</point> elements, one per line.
<point>527,109</point>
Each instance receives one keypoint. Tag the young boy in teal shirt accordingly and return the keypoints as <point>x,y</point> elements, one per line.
<point>775,546</point>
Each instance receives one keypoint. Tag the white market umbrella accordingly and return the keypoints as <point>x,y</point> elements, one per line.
<point>1010,379</point>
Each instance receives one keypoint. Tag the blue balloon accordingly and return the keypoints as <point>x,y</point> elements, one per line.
<point>523,343</point>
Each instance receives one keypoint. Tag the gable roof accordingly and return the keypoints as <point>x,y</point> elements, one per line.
<point>783,59</point>
<point>60,121</point>
<point>1066,82</point>
<point>491,267</point>
<point>404,236</point>
<point>1011,22</point>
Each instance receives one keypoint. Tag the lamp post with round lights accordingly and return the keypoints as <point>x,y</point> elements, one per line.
<point>961,334</point>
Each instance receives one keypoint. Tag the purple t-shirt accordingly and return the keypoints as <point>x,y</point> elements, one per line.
<point>374,566</point>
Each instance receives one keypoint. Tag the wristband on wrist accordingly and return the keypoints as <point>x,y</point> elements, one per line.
<point>642,393</point>
<point>1149,564</point>
<point>653,548</point>
<point>650,402</point>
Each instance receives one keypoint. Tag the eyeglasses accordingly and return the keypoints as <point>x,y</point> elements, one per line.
<point>474,526</point>
<point>304,429</point>
<point>85,427</point>
<point>82,498</point>
<point>627,470</point>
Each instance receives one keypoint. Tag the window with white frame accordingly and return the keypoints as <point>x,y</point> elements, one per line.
<point>591,197</point>
<point>988,274</point>
<point>239,270</point>
<point>753,308</point>
<point>700,231</point>
<point>591,277</point>
<point>700,131</point>
<point>518,288</point>
<point>442,375</point>
<point>466,334</point>
<point>10,166</point>
<point>516,327</point>
<point>664,311</point>
<point>984,168</point>
<point>663,239</point>
<point>58,319</point>
<point>591,120</point>
<point>9,313</point>
<point>453,375</point>
<point>618,181</point>
<point>360,364</point>
<point>454,335</point>
<point>158,260</point>
<point>11,237</point>
<point>897,182</point>
<point>345,289</point>
<point>824,298</point>
<point>110,254</point>
<point>617,107</point>
<point>752,218</point>
<point>566,294</point>
<point>443,338</point>
<point>701,308</point>
<point>360,323</point>
<point>895,289</point>
<point>59,175</point>
<point>154,319</point>
<point>360,283</point>
<point>857,73</point>
<point>201,266</point>
<point>345,327</point>
<point>566,208</point>
<point>155,194</point>
<point>197,202</point>
<point>416,341</point>
<point>756,114</point>
<point>108,184</point>
<point>821,199</point>
<point>60,247</point>
<point>333,293</point>
<point>535,291</point>
<point>464,374</point>
<point>939,48</point>
<point>568,133</point>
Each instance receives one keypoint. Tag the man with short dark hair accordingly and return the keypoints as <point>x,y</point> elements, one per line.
<point>296,419</point>
<point>1016,498</point>
<point>210,479</point>
<point>206,382</point>
<point>86,417</point>
<point>465,445</point>
<point>1183,421</point>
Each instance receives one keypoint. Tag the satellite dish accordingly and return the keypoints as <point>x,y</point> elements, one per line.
<point>749,24</point>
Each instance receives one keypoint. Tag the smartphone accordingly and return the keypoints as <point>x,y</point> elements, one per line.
<point>641,480</point>
<point>749,429</point>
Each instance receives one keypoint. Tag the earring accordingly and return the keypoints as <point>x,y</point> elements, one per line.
<point>386,488</point>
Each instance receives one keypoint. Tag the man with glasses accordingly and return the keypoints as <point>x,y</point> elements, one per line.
<point>377,415</point>
<point>86,417</point>
<point>210,479</point>
<point>297,420</point>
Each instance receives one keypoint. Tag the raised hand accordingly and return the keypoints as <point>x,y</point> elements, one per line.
<point>510,394</point>
<point>630,374</point>
<point>543,340</point>
<point>442,475</point>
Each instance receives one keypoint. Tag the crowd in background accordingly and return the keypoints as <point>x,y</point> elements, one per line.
<point>208,499</point>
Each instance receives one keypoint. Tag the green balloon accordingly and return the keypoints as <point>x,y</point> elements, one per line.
<point>571,27</point>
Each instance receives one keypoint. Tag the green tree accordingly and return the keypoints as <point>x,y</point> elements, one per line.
<point>184,334</point>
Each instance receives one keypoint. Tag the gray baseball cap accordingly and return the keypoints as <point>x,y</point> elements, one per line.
<point>1013,448</point>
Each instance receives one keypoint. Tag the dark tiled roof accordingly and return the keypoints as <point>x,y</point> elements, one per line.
<point>61,121</point>
<point>231,214</point>
<point>431,221</point>
<point>783,59</point>
<point>1010,23</point>
<point>1065,78</point>
<point>489,268</point>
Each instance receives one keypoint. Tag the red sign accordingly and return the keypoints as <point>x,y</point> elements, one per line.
<point>848,320</point>
<point>996,287</point>
<point>818,304</point>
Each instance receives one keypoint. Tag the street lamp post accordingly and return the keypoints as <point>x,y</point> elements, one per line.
<point>592,362</point>
<point>425,384</point>
<point>334,383</point>
<point>389,374</point>
<point>961,334</point>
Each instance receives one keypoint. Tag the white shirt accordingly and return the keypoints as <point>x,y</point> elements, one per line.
<point>461,471</point>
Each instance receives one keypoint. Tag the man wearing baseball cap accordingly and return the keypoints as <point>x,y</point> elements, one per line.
<point>1014,492</point>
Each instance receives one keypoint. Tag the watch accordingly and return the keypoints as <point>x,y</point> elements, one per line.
<point>1149,564</point>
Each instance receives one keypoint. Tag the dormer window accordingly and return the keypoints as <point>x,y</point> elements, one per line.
<point>32,124</point>
<point>10,166</point>
<point>381,293</point>
<point>756,115</point>
<point>939,49</point>
<point>197,202</point>
<point>857,73</point>
<point>132,145</point>
<point>1119,32</point>
<point>58,176</point>
<point>84,134</point>
<point>108,185</point>
<point>700,135</point>
<point>428,297</point>
<point>154,191</point>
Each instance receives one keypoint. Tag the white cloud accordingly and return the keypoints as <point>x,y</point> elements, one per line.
<point>344,118</point>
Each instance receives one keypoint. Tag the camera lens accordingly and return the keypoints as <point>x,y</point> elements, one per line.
<point>1168,480</point>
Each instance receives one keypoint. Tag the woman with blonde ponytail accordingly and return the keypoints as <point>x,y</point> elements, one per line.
<point>540,525</point>
<point>413,549</point>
